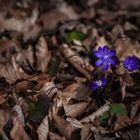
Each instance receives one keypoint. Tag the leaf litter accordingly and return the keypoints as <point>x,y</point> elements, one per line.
<point>47,66</point>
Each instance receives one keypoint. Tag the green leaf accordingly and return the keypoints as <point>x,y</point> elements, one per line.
<point>105,117</point>
<point>38,110</point>
<point>75,35</point>
<point>117,109</point>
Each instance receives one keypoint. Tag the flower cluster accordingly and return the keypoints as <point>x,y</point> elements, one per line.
<point>106,57</point>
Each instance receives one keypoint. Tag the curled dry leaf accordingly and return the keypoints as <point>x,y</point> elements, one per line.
<point>80,64</point>
<point>42,54</point>
<point>43,129</point>
<point>18,132</point>
<point>75,109</point>
<point>61,124</point>
<point>18,110</point>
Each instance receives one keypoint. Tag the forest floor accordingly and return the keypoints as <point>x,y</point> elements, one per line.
<point>69,70</point>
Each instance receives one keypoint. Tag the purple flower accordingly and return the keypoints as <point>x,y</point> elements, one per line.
<point>98,83</point>
<point>131,63</point>
<point>105,57</point>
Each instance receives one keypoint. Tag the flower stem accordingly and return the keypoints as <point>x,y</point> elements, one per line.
<point>124,76</point>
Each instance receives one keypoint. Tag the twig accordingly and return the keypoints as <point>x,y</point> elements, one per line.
<point>97,113</point>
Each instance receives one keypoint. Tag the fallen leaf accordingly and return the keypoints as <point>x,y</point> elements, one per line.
<point>61,124</point>
<point>18,132</point>
<point>18,110</point>
<point>4,116</point>
<point>122,121</point>
<point>43,129</point>
<point>75,123</point>
<point>75,109</point>
<point>76,61</point>
<point>42,55</point>
<point>49,89</point>
<point>52,18</point>
<point>54,136</point>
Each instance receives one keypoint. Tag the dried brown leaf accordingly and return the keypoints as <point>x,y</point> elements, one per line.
<point>135,114</point>
<point>54,136</point>
<point>75,109</point>
<point>4,116</point>
<point>42,54</point>
<point>49,88</point>
<point>85,132</point>
<point>18,132</point>
<point>61,124</point>
<point>18,110</point>
<point>25,25</point>
<point>52,18</point>
<point>74,123</point>
<point>126,48</point>
<point>122,121</point>
<point>75,91</point>
<point>80,64</point>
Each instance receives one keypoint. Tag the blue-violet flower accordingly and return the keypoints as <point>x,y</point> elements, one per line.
<point>98,83</point>
<point>131,63</point>
<point>105,57</point>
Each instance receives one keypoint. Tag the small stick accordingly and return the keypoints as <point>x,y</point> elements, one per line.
<point>97,113</point>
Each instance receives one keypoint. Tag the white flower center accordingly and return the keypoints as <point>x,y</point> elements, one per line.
<point>99,83</point>
<point>105,57</point>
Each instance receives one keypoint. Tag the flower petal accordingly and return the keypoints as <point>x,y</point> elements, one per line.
<point>112,53</point>
<point>111,61</point>
<point>100,49</point>
<point>105,65</point>
<point>97,54</point>
<point>98,62</point>
<point>104,81</point>
<point>105,50</point>
<point>94,85</point>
